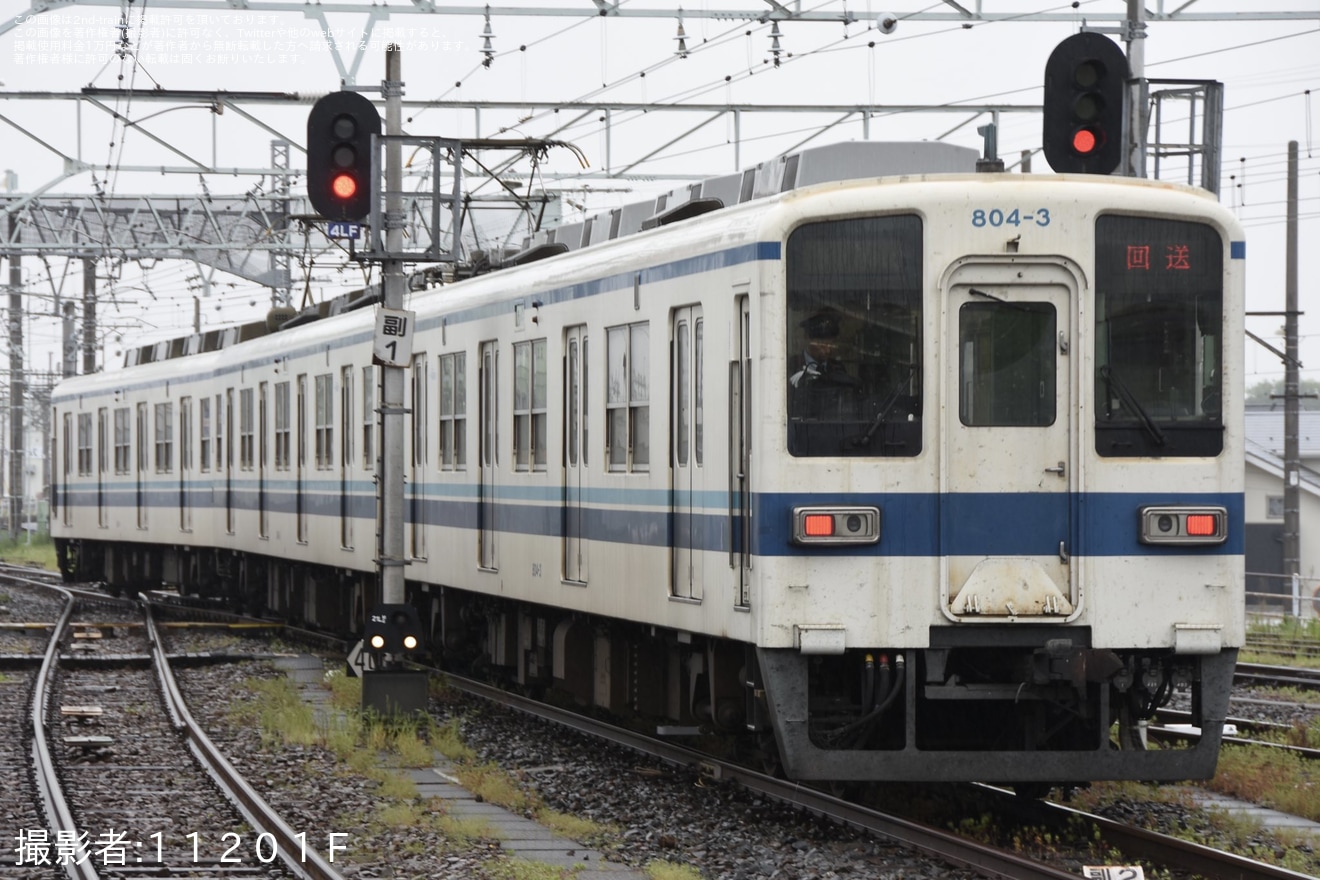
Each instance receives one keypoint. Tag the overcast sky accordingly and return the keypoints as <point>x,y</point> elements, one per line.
<point>1268,69</point>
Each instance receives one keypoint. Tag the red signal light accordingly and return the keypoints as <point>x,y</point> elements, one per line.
<point>1201,525</point>
<point>344,186</point>
<point>1085,141</point>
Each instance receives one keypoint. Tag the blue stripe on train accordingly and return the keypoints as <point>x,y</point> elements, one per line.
<point>912,524</point>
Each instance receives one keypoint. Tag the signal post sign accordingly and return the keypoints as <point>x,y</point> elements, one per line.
<point>392,344</point>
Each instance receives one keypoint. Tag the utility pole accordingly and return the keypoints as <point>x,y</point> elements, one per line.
<point>89,316</point>
<point>1292,563</point>
<point>16,380</point>
<point>392,407</point>
<point>1134,157</point>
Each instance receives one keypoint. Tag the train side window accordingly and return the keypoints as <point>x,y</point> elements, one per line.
<point>164,438</point>
<point>283,429</point>
<point>84,444</point>
<point>123,440</point>
<point>346,415</point>
<point>529,409</point>
<point>453,411</point>
<point>627,397</point>
<point>1159,294</point>
<point>853,337</point>
<point>246,429</point>
<point>67,455</point>
<point>143,441</point>
<point>368,418</point>
<point>204,433</point>
<point>185,434</point>
<point>325,420</point>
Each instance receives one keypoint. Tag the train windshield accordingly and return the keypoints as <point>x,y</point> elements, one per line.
<point>854,337</point>
<point>1159,337</point>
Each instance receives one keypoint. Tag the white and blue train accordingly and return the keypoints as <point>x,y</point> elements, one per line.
<point>914,475</point>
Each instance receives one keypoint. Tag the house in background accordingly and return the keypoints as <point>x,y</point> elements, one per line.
<point>1264,512</point>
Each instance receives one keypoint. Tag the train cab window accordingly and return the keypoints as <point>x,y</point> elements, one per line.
<point>1006,363</point>
<point>1158,337</point>
<point>854,337</point>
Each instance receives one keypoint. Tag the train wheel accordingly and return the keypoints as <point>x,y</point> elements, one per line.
<point>767,755</point>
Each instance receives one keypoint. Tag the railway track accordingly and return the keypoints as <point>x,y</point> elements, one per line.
<point>127,784</point>
<point>1166,851</point>
<point>1266,675</point>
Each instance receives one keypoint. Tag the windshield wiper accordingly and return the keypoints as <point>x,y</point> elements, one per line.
<point>1130,401</point>
<point>889,403</point>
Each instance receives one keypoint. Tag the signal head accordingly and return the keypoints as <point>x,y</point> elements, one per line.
<point>1085,103</point>
<point>339,153</point>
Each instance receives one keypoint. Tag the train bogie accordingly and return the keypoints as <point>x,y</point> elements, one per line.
<point>917,478</point>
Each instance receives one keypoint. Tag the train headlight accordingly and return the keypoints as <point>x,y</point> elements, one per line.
<point>836,525</point>
<point>1183,525</point>
<point>378,641</point>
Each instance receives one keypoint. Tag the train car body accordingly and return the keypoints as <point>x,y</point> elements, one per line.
<point>922,477</point>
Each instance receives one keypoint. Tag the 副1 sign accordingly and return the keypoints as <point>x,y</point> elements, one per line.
<point>392,345</point>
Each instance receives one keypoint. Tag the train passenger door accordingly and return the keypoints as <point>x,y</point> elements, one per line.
<point>263,502</point>
<point>488,459</point>
<point>686,454</point>
<point>576,451</point>
<point>1005,512</point>
<point>300,459</point>
<point>740,451</point>
<point>143,461</point>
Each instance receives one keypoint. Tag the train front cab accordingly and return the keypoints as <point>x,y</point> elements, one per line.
<point>1081,544</point>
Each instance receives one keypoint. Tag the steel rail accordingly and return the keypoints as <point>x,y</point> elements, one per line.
<point>298,856</point>
<point>48,783</point>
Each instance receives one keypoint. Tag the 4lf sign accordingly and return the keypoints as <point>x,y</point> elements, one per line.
<point>392,346</point>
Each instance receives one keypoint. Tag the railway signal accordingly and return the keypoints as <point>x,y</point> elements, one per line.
<point>393,629</point>
<point>1085,100</point>
<point>339,179</point>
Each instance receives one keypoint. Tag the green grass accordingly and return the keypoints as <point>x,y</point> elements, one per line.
<point>40,552</point>
<point>661,870</point>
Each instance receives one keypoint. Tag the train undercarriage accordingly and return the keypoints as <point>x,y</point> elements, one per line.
<point>993,703</point>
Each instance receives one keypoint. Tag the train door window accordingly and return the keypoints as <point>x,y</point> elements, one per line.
<point>529,400</point>
<point>687,478</point>
<point>123,440</point>
<point>84,444</point>
<point>1159,313</point>
<point>419,410</point>
<point>283,431</point>
<point>204,434</point>
<point>488,455</point>
<point>246,429</point>
<point>853,337</point>
<point>627,397</point>
<point>325,421</point>
<point>453,411</point>
<point>102,463</point>
<point>420,439</point>
<point>1007,363</point>
<point>368,418</point>
<point>164,438</point>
